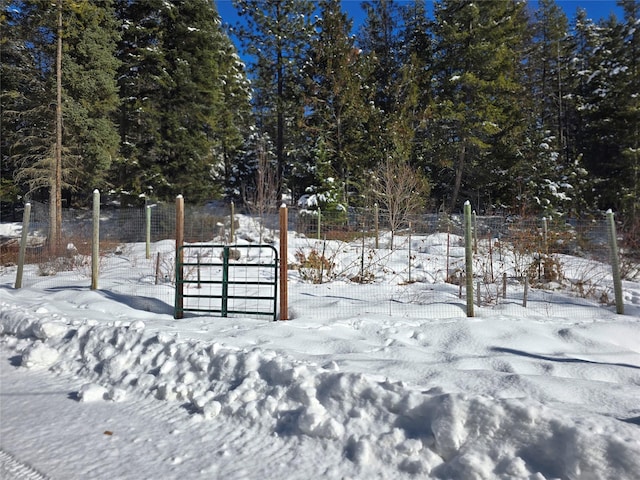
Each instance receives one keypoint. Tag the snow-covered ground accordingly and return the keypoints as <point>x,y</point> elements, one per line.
<point>385,380</point>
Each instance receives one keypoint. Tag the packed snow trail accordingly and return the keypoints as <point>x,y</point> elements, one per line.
<point>13,469</point>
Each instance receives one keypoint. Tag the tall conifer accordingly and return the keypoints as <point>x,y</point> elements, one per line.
<point>478,119</point>
<point>275,34</point>
<point>337,108</point>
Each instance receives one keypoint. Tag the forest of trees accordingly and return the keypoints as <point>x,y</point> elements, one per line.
<point>517,109</point>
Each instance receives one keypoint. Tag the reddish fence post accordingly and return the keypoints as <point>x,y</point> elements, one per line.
<point>284,267</point>
<point>179,253</point>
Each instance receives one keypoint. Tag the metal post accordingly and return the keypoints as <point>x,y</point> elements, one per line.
<point>148,231</point>
<point>225,281</point>
<point>199,285</point>
<point>475,232</point>
<point>504,285</point>
<point>376,219</point>
<point>23,244</point>
<point>158,269</point>
<point>95,245</point>
<point>448,248</point>
<point>468,257</point>
<point>179,303</point>
<point>409,252</point>
<point>615,263</point>
<point>284,267</point>
<point>491,257</point>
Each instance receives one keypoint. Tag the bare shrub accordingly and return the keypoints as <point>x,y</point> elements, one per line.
<point>521,245</point>
<point>545,269</point>
<point>630,251</point>
<point>315,267</point>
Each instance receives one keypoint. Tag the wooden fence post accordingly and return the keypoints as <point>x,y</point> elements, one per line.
<point>284,267</point>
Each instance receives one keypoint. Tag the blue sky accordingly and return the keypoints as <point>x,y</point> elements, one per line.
<point>596,9</point>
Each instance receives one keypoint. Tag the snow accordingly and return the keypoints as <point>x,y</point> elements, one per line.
<point>382,380</point>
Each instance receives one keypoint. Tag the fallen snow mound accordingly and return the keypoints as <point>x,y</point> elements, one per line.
<point>375,421</point>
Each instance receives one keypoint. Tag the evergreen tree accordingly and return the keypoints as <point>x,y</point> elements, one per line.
<point>90,92</point>
<point>275,33</point>
<point>177,71</point>
<point>143,80</point>
<point>234,120</point>
<point>27,138</point>
<point>478,120</point>
<point>629,104</point>
<point>380,41</point>
<point>607,106</point>
<point>336,105</point>
<point>411,123</point>
<point>549,175</point>
<point>60,137</point>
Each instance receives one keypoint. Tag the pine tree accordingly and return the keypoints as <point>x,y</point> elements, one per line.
<point>549,174</point>
<point>275,33</point>
<point>61,138</point>
<point>336,109</point>
<point>90,93</point>
<point>380,41</point>
<point>27,138</point>
<point>411,123</point>
<point>234,120</point>
<point>629,102</point>
<point>379,38</point>
<point>624,109</point>
<point>607,59</point>
<point>477,113</point>
<point>177,71</point>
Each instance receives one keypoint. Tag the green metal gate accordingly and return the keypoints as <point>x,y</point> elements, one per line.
<point>227,279</point>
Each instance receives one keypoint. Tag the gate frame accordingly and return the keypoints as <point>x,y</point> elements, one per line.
<point>225,282</point>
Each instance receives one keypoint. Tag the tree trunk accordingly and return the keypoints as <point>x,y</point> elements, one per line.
<point>55,193</point>
<point>458,180</point>
<point>280,116</point>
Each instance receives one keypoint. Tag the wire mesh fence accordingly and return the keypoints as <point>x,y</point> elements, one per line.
<point>367,260</point>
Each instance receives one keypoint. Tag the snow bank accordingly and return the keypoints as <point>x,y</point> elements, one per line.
<point>420,432</point>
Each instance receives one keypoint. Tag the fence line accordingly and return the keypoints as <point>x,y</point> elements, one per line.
<point>354,246</point>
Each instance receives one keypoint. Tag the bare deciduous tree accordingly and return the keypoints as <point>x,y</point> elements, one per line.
<point>399,189</point>
<point>261,197</point>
